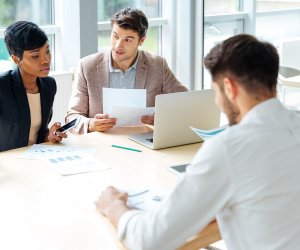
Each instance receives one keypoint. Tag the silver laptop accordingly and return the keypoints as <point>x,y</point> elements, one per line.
<point>175,113</point>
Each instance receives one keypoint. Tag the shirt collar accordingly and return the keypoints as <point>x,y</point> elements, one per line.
<point>112,69</point>
<point>262,109</point>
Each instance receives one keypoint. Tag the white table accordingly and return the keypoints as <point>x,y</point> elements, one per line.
<point>43,210</point>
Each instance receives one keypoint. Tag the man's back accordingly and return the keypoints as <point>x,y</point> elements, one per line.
<point>247,176</point>
<point>264,205</point>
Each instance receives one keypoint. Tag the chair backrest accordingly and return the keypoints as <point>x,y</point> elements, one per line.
<point>289,86</point>
<point>289,51</point>
<point>289,76</point>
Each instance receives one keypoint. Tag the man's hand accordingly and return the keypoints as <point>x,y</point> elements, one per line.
<point>101,123</point>
<point>112,204</point>
<point>54,136</point>
<point>148,119</point>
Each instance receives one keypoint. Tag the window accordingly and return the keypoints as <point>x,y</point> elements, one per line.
<point>285,16</point>
<point>37,11</point>
<point>151,8</point>
<point>222,19</point>
<point>264,5</point>
<point>221,6</point>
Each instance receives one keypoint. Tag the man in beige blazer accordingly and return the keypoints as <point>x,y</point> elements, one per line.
<point>124,66</point>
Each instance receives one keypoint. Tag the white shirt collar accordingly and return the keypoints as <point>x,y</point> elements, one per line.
<point>262,109</point>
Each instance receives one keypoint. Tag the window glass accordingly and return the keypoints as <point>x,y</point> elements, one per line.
<point>221,6</point>
<point>276,4</point>
<point>285,37</point>
<point>215,33</point>
<point>106,8</point>
<point>151,8</point>
<point>37,11</point>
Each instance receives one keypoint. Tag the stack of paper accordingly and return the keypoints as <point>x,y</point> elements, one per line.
<point>207,134</point>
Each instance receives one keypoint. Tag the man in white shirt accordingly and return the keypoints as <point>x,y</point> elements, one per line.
<point>247,176</point>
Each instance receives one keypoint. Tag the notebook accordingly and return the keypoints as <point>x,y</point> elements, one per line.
<point>175,113</point>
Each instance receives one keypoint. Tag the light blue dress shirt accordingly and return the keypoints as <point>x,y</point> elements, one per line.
<point>120,79</point>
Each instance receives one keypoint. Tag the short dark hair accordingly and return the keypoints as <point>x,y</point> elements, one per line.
<point>133,19</point>
<point>254,63</point>
<point>23,35</point>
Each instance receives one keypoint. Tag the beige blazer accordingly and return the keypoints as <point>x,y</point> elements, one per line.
<point>152,74</point>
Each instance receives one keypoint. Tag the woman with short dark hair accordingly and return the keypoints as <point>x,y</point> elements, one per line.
<point>27,92</point>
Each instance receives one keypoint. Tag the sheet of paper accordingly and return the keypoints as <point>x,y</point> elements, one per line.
<point>207,134</point>
<point>74,163</point>
<point>144,199</point>
<point>129,116</point>
<point>123,98</point>
<point>42,151</point>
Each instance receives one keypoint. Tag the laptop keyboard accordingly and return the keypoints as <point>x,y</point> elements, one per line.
<point>150,140</point>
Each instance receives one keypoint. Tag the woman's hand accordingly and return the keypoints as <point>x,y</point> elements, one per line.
<point>55,136</point>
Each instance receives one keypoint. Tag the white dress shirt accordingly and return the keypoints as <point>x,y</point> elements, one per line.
<point>248,177</point>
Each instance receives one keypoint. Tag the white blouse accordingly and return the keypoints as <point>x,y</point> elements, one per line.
<point>35,116</point>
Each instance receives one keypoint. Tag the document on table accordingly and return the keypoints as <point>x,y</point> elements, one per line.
<point>41,151</point>
<point>127,105</point>
<point>65,160</point>
<point>74,163</point>
<point>207,134</point>
<point>144,199</point>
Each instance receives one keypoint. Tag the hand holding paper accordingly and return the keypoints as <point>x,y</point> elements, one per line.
<point>130,116</point>
<point>126,105</point>
<point>101,123</point>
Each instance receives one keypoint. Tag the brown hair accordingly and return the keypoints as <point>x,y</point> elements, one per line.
<point>133,19</point>
<point>253,63</point>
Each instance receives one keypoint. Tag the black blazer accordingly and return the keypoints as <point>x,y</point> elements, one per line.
<point>15,112</point>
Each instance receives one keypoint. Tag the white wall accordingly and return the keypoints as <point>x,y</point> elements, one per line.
<point>290,52</point>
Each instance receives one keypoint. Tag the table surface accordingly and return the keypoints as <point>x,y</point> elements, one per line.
<point>41,209</point>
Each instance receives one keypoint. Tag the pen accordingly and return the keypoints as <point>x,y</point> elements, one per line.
<point>132,149</point>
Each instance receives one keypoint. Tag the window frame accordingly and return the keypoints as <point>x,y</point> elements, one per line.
<point>182,47</point>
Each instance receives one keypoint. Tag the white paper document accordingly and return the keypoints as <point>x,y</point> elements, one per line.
<point>123,98</point>
<point>130,116</point>
<point>42,151</point>
<point>74,163</point>
<point>127,105</point>
<point>207,134</point>
<point>65,160</point>
<point>144,199</point>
